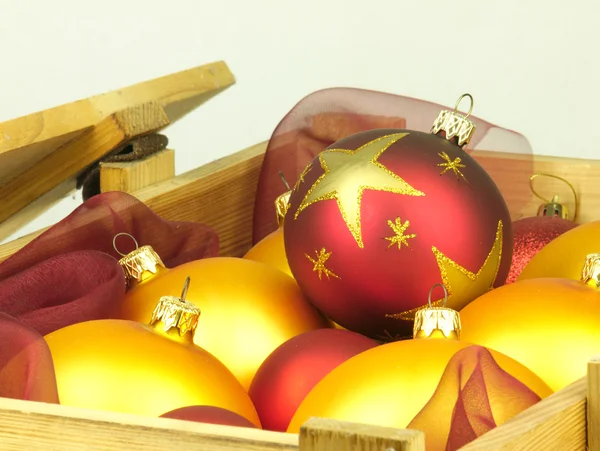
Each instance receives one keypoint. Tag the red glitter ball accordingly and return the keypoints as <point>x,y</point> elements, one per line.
<point>530,235</point>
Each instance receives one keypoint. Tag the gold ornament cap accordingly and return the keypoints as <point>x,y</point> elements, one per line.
<point>175,314</point>
<point>282,203</point>
<point>554,209</point>
<point>456,127</point>
<point>437,322</point>
<point>140,264</point>
<point>590,275</point>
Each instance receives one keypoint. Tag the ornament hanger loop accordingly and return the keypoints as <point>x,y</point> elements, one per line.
<point>460,100</point>
<point>287,186</point>
<point>431,292</point>
<point>572,188</point>
<point>123,234</point>
<point>186,286</point>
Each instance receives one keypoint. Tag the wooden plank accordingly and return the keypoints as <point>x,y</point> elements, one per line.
<point>322,434</point>
<point>26,140</point>
<point>556,423</point>
<point>60,165</point>
<point>131,176</point>
<point>220,194</point>
<point>593,404</point>
<point>33,426</point>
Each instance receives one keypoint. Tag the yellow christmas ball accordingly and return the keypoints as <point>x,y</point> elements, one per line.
<point>551,325</point>
<point>390,384</point>
<point>563,256</point>
<point>129,367</point>
<point>248,308</point>
<point>271,251</point>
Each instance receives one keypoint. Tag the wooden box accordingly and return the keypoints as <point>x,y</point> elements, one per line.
<point>221,195</point>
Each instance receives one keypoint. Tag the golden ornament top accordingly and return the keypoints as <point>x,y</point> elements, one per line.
<point>141,264</point>
<point>282,205</point>
<point>590,275</point>
<point>176,313</point>
<point>554,209</point>
<point>454,124</point>
<point>437,322</point>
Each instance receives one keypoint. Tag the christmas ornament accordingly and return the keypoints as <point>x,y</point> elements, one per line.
<point>563,256</point>
<point>294,368</point>
<point>248,308</point>
<point>209,414</point>
<point>551,325</point>
<point>388,385</point>
<point>380,216</point>
<point>270,249</point>
<point>530,235</point>
<point>124,366</point>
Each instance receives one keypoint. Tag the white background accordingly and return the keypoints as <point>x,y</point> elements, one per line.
<point>532,65</point>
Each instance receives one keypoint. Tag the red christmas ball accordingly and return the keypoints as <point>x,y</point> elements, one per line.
<point>379,217</point>
<point>530,235</point>
<point>209,414</point>
<point>295,367</point>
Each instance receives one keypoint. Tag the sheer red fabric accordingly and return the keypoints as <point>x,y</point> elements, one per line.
<point>474,396</point>
<point>326,116</point>
<point>70,274</point>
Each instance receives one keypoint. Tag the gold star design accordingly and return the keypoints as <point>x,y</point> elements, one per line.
<point>399,238</point>
<point>464,286</point>
<point>305,171</point>
<point>452,165</point>
<point>347,173</point>
<point>319,264</point>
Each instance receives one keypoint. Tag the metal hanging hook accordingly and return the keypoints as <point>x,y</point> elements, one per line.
<point>460,100</point>
<point>287,186</point>
<point>186,286</point>
<point>431,292</point>
<point>115,242</point>
<point>536,194</point>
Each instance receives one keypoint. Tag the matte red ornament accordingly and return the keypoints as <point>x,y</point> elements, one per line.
<point>209,414</point>
<point>294,368</point>
<point>379,217</point>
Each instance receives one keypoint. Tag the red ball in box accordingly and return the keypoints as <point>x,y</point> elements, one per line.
<point>381,216</point>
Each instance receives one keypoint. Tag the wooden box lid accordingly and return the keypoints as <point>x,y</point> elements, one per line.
<point>41,154</point>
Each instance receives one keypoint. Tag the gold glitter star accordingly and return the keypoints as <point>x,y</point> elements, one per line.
<point>322,257</point>
<point>347,173</point>
<point>464,286</point>
<point>452,165</point>
<point>399,238</point>
<point>305,171</point>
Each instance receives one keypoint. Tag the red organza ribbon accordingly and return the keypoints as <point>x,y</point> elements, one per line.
<point>327,116</point>
<point>70,274</point>
<point>474,396</point>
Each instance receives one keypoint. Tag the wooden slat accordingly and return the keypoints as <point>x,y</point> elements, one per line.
<point>556,423</point>
<point>131,176</point>
<point>593,404</point>
<point>32,426</point>
<point>26,140</point>
<point>110,133</point>
<point>322,434</point>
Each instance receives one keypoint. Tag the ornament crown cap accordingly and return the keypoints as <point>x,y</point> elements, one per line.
<point>590,274</point>
<point>553,208</point>
<point>282,203</point>
<point>141,263</point>
<point>456,127</point>
<point>437,322</point>
<point>176,312</point>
